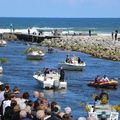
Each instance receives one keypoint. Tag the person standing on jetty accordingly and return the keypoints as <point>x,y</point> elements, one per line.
<point>116,32</point>
<point>89,32</point>
<point>112,35</point>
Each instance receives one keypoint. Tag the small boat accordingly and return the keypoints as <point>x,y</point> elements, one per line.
<point>35,55</point>
<point>51,80</point>
<point>112,84</point>
<point>3,43</point>
<point>102,112</point>
<point>1,69</point>
<point>72,66</point>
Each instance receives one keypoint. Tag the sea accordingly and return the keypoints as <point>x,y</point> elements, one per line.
<point>18,71</point>
<point>101,25</point>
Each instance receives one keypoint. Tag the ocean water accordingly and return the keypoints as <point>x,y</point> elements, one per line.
<point>106,25</point>
<point>19,72</point>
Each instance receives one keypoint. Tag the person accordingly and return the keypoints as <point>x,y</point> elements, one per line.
<point>104,79</point>
<point>79,60</point>
<point>97,79</point>
<point>116,32</point>
<point>46,71</point>
<point>62,74</point>
<point>104,95</point>
<point>89,32</point>
<point>67,58</point>
<point>112,35</point>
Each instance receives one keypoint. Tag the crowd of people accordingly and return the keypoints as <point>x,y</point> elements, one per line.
<point>15,105</point>
<point>103,79</point>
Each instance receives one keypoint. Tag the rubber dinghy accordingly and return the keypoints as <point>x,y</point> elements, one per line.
<point>112,84</point>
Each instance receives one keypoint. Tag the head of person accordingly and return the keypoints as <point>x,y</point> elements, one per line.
<point>40,114</point>
<point>23,114</point>
<point>68,110</point>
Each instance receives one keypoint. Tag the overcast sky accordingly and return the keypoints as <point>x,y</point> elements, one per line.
<point>60,8</point>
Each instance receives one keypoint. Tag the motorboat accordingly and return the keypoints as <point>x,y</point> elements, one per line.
<point>72,66</point>
<point>3,43</point>
<point>50,80</point>
<point>35,55</point>
<point>1,69</point>
<point>112,84</point>
<point>102,112</point>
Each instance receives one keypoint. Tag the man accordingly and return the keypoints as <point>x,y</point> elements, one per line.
<point>62,74</point>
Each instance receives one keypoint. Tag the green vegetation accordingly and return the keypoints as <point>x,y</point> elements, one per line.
<point>31,49</point>
<point>3,60</point>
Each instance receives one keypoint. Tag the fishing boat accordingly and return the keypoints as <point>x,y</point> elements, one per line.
<point>50,80</point>
<point>35,55</point>
<point>1,69</point>
<point>72,66</point>
<point>112,84</point>
<point>3,43</point>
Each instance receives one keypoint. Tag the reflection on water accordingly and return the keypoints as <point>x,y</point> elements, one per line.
<point>19,71</point>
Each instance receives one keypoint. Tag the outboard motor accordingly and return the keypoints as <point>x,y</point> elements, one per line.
<point>56,84</point>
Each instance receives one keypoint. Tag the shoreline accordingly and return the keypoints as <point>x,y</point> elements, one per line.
<point>100,46</point>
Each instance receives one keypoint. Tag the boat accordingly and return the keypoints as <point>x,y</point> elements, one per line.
<point>1,69</point>
<point>102,112</point>
<point>101,109</point>
<point>51,80</point>
<point>72,66</point>
<point>112,84</point>
<point>3,43</point>
<point>35,55</point>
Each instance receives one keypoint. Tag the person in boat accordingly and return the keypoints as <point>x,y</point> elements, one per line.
<point>68,60</point>
<point>46,71</point>
<point>97,79</point>
<point>62,74</point>
<point>79,60</point>
<point>104,79</point>
<point>103,95</point>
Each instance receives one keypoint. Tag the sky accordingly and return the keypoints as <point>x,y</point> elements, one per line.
<point>60,8</point>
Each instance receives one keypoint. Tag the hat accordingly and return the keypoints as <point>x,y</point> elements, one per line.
<point>68,110</point>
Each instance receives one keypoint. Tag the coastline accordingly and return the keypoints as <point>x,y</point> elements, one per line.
<point>101,45</point>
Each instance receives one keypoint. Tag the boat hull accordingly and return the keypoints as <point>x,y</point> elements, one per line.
<point>69,66</point>
<point>48,82</point>
<point>108,85</point>
<point>1,70</point>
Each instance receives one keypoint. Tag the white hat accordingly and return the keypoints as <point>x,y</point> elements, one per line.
<point>68,110</point>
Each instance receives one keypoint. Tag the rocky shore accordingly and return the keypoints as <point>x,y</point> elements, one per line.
<point>101,46</point>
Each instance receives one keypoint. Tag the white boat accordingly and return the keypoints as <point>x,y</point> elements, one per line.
<point>72,66</point>
<point>50,80</point>
<point>3,43</point>
<point>102,112</point>
<point>1,69</point>
<point>36,55</point>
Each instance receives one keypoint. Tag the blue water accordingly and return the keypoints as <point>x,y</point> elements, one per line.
<point>19,71</point>
<point>81,24</point>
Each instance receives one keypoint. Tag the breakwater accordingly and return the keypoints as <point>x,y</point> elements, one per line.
<point>98,46</point>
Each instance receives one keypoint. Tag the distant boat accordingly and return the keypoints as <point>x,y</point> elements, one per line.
<point>1,69</point>
<point>35,55</point>
<point>72,66</point>
<point>3,43</point>
<point>51,80</point>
